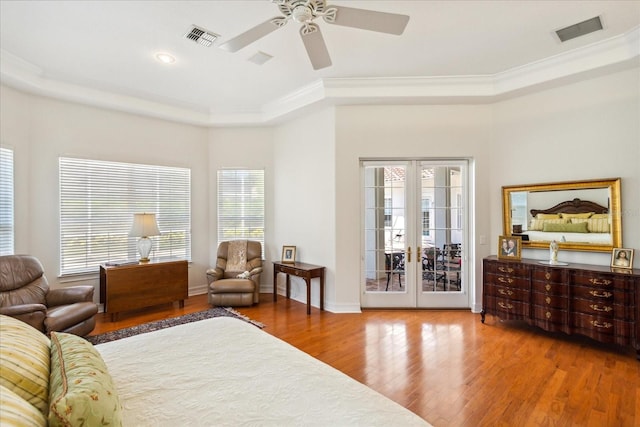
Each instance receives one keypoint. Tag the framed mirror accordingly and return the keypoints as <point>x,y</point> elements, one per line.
<point>579,215</point>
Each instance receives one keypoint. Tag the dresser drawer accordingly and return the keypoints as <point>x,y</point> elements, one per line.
<point>510,309</point>
<point>547,274</point>
<point>512,282</point>
<point>549,314</point>
<point>596,323</point>
<point>604,309</point>
<point>550,288</point>
<point>551,301</point>
<point>602,281</point>
<point>593,293</point>
<point>511,269</point>
<point>507,292</point>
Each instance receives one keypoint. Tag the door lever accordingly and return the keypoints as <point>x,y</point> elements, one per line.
<point>409,254</point>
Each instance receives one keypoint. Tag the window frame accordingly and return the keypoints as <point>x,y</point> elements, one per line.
<point>97,201</point>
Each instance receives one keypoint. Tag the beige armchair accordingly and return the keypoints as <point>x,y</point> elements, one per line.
<point>235,281</point>
<point>25,295</point>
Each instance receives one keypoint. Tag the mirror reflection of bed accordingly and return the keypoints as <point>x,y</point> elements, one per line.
<point>576,220</point>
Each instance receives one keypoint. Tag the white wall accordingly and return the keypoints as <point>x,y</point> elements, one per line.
<point>42,129</point>
<point>405,132</point>
<point>304,202</point>
<point>585,130</point>
<point>243,148</point>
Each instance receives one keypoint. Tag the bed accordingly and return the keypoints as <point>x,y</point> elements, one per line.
<point>579,221</point>
<point>224,371</point>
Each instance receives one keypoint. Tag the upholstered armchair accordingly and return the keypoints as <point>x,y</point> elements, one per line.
<point>25,295</point>
<point>235,280</point>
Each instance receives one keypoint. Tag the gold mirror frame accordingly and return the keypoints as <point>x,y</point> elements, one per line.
<point>612,184</point>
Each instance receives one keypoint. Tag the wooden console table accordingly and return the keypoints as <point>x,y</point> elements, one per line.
<point>305,271</point>
<point>599,302</point>
<point>137,285</point>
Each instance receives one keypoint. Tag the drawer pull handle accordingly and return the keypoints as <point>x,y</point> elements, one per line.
<point>547,300</point>
<point>507,306</point>
<point>547,287</point>
<point>548,314</point>
<point>601,295</point>
<point>503,280</point>
<point>605,325</point>
<point>600,282</point>
<point>507,292</point>
<point>547,275</point>
<point>605,308</point>
<point>506,269</point>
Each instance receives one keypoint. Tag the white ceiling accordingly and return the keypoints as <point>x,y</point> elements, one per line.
<point>102,53</point>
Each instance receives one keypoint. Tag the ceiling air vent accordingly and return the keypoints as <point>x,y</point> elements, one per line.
<point>579,29</point>
<point>201,36</point>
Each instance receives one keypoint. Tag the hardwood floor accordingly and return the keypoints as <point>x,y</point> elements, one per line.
<point>451,369</point>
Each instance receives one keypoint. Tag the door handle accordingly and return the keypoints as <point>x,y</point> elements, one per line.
<point>409,254</point>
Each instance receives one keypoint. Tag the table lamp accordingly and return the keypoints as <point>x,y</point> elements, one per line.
<point>144,225</point>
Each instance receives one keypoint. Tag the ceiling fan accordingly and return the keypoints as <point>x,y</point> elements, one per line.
<point>305,12</point>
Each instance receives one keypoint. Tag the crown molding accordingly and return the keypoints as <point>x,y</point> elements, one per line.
<point>577,63</point>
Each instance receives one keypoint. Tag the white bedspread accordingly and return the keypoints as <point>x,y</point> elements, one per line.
<point>226,372</point>
<point>547,236</point>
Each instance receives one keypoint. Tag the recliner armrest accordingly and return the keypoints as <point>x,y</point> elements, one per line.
<point>16,310</point>
<point>214,274</point>
<point>255,271</point>
<point>32,314</point>
<point>70,295</point>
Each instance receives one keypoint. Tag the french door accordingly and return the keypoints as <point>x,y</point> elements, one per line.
<point>415,216</point>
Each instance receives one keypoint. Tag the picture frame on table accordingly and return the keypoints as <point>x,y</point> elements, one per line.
<point>622,258</point>
<point>510,248</point>
<point>288,254</point>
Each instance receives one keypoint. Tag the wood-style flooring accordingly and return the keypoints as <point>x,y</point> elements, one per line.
<point>448,367</point>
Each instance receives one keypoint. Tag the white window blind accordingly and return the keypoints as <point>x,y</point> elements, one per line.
<point>6,202</point>
<point>241,205</point>
<point>97,203</point>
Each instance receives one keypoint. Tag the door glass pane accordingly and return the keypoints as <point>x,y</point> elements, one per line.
<point>384,218</point>
<point>442,228</point>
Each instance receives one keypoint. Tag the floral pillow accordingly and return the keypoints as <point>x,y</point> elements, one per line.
<point>81,391</point>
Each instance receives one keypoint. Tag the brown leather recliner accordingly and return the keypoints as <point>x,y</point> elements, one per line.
<point>225,287</point>
<point>25,295</point>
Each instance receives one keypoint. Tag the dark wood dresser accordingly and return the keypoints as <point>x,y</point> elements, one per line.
<point>596,301</point>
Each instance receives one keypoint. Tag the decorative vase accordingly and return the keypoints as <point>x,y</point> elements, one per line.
<point>553,252</point>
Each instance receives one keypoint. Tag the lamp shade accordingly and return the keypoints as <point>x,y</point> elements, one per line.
<point>144,225</point>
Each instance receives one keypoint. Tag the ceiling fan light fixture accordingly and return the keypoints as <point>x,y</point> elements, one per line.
<point>302,14</point>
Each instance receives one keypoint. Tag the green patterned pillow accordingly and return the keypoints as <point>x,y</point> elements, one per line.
<point>24,361</point>
<point>15,411</point>
<point>81,389</point>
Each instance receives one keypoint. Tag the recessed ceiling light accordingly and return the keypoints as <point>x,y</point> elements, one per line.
<point>165,58</point>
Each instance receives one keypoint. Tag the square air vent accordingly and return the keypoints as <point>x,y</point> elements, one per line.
<point>579,29</point>
<point>201,36</point>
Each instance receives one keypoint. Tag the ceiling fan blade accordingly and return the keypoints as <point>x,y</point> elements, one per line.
<point>253,34</point>
<point>316,48</point>
<point>383,22</point>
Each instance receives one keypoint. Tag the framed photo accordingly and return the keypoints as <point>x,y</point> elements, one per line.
<point>622,258</point>
<point>510,247</point>
<point>289,254</point>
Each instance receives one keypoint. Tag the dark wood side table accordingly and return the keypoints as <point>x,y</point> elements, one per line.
<point>130,286</point>
<point>305,271</point>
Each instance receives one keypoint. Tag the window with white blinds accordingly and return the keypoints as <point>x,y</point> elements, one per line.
<point>241,205</point>
<point>6,202</point>
<point>97,203</point>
